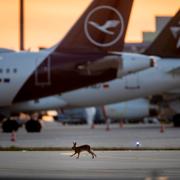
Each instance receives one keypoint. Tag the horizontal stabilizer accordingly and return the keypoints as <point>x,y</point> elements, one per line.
<point>107,62</point>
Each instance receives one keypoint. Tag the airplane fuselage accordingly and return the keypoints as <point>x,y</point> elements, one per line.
<point>26,75</point>
<point>147,82</point>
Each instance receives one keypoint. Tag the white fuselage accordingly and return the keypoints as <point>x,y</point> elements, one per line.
<point>44,78</point>
<point>15,69</point>
<point>140,84</point>
<point>147,82</point>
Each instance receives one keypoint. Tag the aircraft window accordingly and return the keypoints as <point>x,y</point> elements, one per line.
<point>36,101</point>
<point>6,80</point>
<point>14,70</point>
<point>1,70</point>
<point>0,80</point>
<point>7,70</point>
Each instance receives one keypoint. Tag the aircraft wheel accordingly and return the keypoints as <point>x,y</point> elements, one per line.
<point>9,126</point>
<point>33,126</point>
<point>176,120</point>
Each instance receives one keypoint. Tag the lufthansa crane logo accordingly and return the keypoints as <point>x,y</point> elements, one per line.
<point>101,31</point>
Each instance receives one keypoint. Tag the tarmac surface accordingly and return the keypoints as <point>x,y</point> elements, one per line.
<point>146,165</point>
<point>56,135</point>
<point>107,165</point>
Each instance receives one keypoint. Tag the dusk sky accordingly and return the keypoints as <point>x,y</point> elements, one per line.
<point>47,21</point>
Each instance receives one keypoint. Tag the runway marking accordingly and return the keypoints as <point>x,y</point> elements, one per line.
<point>158,178</point>
<point>66,153</point>
<point>69,153</point>
<point>84,154</point>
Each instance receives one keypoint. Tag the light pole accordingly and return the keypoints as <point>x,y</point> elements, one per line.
<point>21,23</point>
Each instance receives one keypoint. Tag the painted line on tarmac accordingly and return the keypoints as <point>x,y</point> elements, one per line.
<point>66,153</point>
<point>83,154</point>
<point>157,178</point>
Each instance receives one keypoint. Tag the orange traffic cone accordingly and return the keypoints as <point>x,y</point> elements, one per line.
<point>107,128</point>
<point>162,128</point>
<point>13,136</point>
<point>121,124</point>
<point>92,126</point>
<point>107,124</point>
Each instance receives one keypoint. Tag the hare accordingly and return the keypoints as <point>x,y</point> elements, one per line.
<point>79,149</point>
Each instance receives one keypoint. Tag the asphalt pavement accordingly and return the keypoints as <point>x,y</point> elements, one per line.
<point>107,165</point>
<point>56,135</point>
<point>123,165</point>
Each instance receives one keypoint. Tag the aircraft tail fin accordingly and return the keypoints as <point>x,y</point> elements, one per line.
<point>101,28</point>
<point>167,44</point>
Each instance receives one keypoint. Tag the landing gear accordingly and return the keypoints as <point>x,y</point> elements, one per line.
<point>9,126</point>
<point>176,120</point>
<point>33,126</point>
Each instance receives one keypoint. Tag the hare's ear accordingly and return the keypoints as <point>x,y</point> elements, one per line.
<point>74,143</point>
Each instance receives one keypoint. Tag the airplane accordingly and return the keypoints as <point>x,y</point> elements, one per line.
<point>95,53</point>
<point>84,57</point>
<point>168,102</point>
<point>161,78</point>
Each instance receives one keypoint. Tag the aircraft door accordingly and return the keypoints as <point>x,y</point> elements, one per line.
<point>132,82</point>
<point>43,73</point>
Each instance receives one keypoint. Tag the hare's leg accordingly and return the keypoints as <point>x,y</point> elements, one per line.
<point>93,154</point>
<point>73,154</point>
<point>78,155</point>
